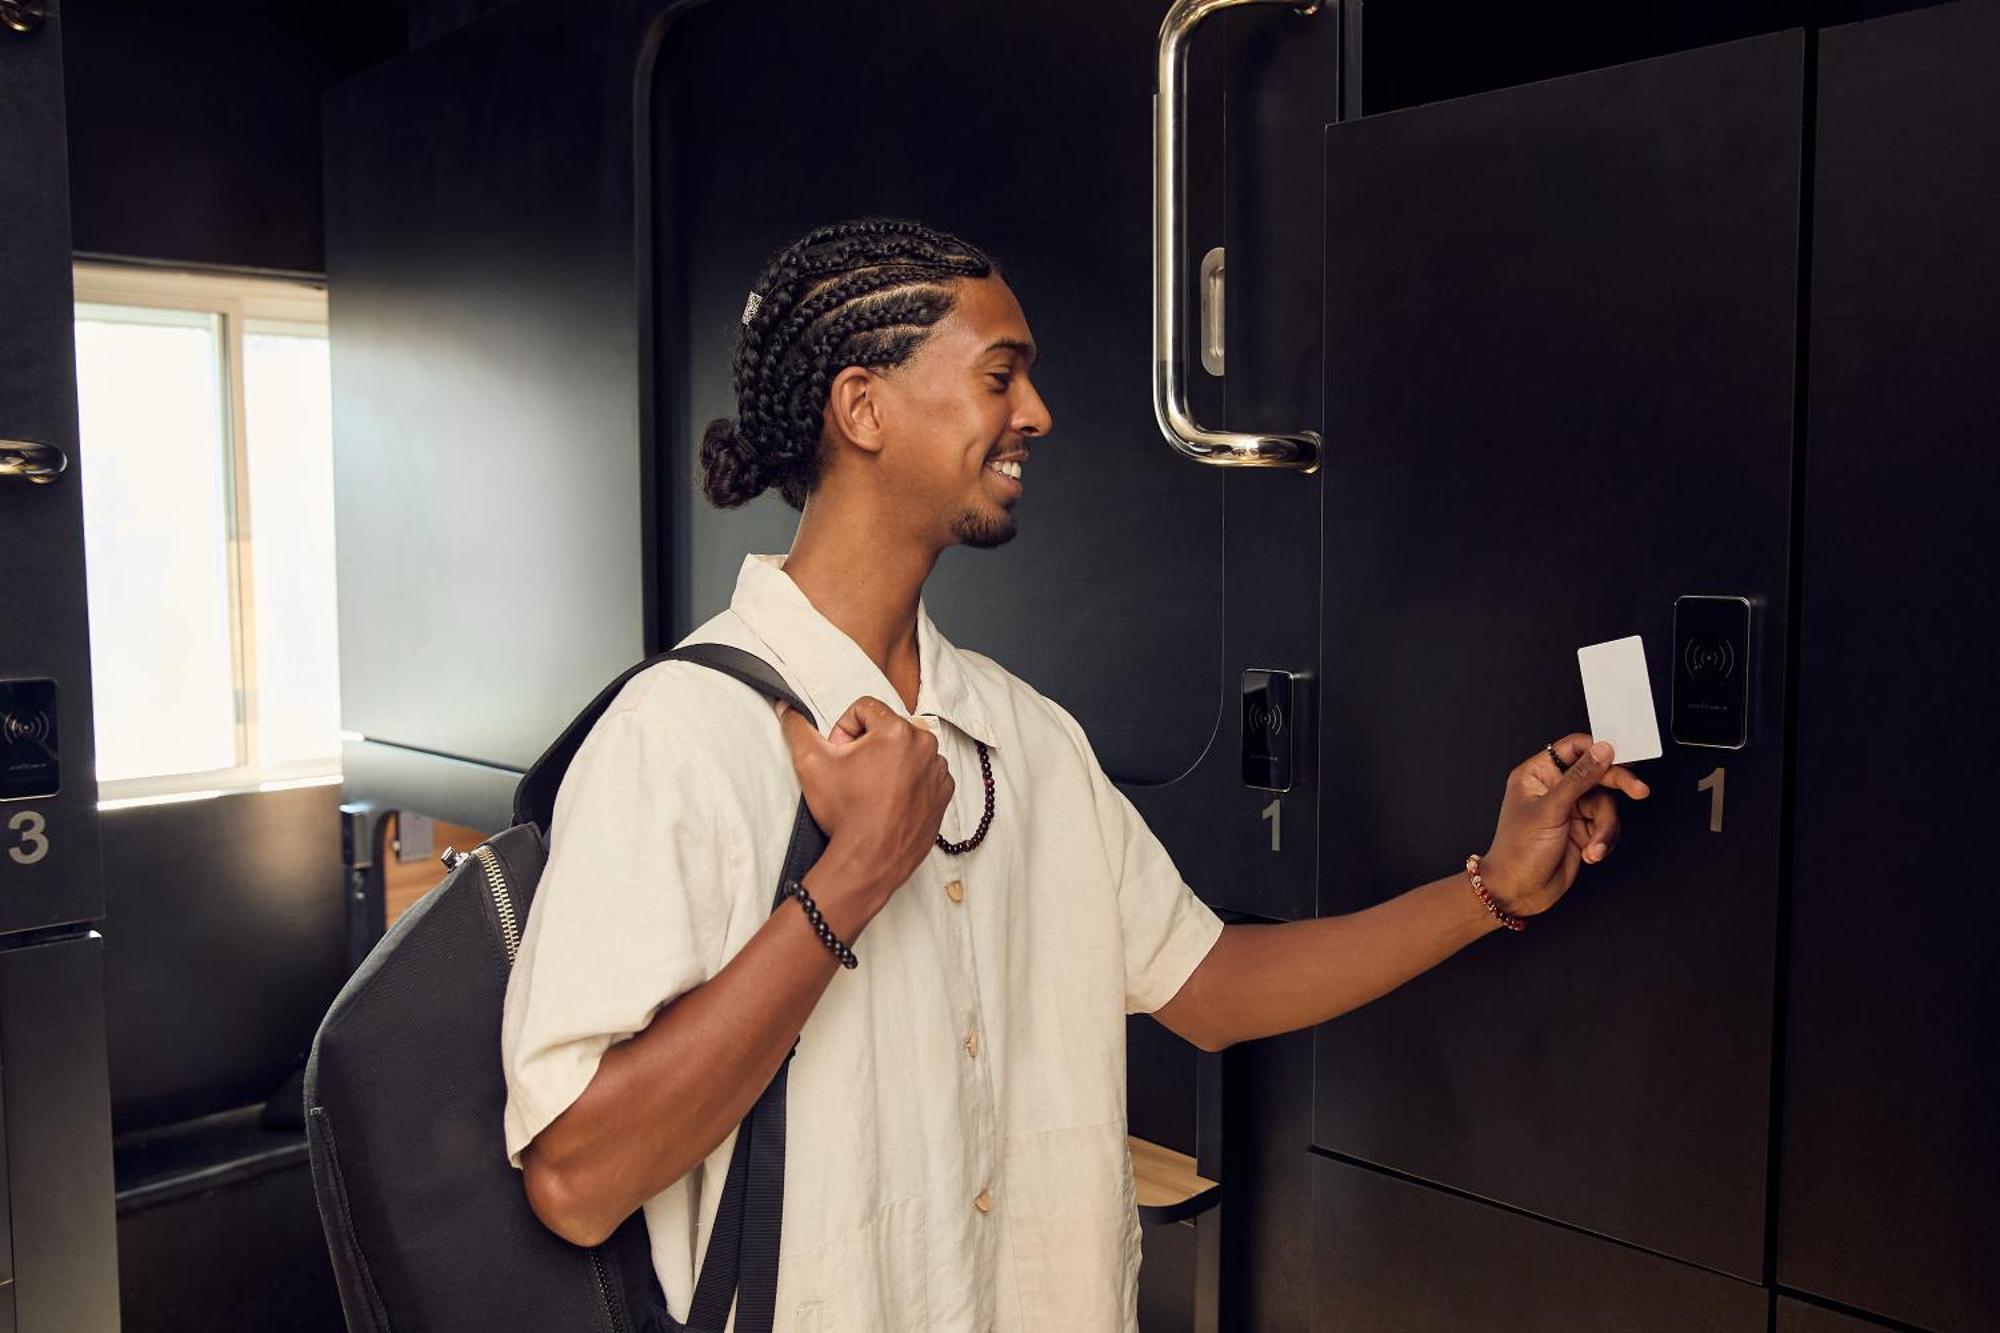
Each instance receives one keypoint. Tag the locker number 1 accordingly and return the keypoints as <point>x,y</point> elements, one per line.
<point>1712,784</point>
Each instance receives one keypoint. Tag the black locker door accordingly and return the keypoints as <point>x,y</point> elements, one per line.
<point>58,1237</point>
<point>1889,1173</point>
<point>1559,378</point>
<point>1795,1316</point>
<point>1390,1255</point>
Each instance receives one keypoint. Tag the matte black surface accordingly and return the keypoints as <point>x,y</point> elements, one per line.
<point>224,944</point>
<point>1560,355</point>
<point>42,525</point>
<point>1032,138</point>
<point>58,1125</point>
<point>195,128</point>
<point>1396,1256</point>
<point>1890,1172</point>
<point>1427,50</point>
<point>1796,1316</point>
<point>485,382</point>
<point>243,1256</point>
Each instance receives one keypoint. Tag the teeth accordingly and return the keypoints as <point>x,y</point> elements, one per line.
<point>1007,469</point>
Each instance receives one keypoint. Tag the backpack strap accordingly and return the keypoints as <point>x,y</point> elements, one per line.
<point>741,1263</point>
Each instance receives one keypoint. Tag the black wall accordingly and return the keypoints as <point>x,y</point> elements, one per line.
<point>194,129</point>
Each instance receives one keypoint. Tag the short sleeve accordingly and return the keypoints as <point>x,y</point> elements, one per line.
<point>632,910</point>
<point>1167,929</point>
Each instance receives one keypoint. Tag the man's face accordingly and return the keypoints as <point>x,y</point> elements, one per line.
<point>960,402</point>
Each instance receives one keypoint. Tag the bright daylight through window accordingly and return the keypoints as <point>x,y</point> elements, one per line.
<point>207,463</point>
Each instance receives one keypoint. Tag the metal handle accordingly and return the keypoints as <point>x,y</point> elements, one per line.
<point>1170,405</point>
<point>38,463</point>
<point>22,15</point>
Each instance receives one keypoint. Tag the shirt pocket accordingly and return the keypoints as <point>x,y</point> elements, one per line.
<point>871,1280</point>
<point>1074,1221</point>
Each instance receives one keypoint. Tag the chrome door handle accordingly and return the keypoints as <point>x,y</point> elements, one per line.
<point>1170,404</point>
<point>38,463</point>
<point>22,15</point>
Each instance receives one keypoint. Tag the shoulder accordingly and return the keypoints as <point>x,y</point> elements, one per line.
<point>709,717</point>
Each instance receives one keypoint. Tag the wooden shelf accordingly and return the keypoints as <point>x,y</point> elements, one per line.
<point>1168,1186</point>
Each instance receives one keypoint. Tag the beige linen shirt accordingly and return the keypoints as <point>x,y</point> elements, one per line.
<point>955,1151</point>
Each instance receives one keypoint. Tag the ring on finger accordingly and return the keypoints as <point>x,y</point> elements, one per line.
<point>1561,767</point>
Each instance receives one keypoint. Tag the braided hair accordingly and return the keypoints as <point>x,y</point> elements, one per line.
<point>866,292</point>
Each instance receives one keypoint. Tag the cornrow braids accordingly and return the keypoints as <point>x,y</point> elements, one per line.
<point>865,292</point>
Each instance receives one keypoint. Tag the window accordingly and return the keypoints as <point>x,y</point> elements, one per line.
<point>207,466</point>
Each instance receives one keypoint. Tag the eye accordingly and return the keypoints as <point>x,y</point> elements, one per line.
<point>1002,377</point>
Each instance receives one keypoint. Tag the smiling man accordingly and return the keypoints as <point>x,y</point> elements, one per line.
<point>989,908</point>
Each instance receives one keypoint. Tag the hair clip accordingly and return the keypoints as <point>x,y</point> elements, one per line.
<point>750,307</point>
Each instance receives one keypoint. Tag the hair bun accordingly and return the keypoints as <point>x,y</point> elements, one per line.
<point>731,474</point>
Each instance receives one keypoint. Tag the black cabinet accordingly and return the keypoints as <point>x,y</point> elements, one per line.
<point>1390,1255</point>
<point>1558,396</point>
<point>1795,1316</point>
<point>1889,1170</point>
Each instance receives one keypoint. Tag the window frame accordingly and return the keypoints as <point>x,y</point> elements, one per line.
<point>244,304</point>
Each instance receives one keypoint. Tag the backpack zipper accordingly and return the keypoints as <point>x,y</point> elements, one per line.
<point>604,1291</point>
<point>503,902</point>
<point>510,936</point>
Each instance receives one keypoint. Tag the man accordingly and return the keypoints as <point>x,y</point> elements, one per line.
<point>955,1151</point>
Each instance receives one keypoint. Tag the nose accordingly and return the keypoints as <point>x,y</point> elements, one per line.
<point>1033,417</point>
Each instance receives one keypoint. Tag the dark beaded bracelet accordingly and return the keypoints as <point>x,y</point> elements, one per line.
<point>794,889</point>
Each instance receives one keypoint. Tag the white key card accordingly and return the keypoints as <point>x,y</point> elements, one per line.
<point>1619,695</point>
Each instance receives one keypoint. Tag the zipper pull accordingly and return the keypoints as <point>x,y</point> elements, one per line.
<point>451,856</point>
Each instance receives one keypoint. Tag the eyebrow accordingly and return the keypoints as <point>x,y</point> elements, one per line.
<point>1026,349</point>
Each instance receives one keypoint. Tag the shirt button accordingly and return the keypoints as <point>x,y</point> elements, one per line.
<point>972,1043</point>
<point>955,891</point>
<point>984,1203</point>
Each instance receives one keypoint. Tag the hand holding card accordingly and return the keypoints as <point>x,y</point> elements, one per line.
<point>1619,695</point>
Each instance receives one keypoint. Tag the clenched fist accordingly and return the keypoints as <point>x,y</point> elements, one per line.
<point>877,787</point>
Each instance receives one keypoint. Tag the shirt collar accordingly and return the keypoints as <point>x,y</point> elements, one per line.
<point>832,671</point>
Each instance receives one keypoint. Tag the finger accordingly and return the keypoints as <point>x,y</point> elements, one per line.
<point>801,737</point>
<point>1584,772</point>
<point>1624,779</point>
<point>1596,825</point>
<point>1545,770</point>
<point>863,716</point>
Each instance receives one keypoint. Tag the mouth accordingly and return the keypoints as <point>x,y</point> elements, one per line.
<point>1006,475</point>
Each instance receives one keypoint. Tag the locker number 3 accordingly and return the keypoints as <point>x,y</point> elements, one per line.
<point>31,839</point>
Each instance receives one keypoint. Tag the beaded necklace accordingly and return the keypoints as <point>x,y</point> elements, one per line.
<point>985,820</point>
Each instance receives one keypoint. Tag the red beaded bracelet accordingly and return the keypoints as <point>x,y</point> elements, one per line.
<point>1500,914</point>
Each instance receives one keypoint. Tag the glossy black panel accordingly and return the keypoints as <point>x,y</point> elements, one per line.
<point>1032,138</point>
<point>224,943</point>
<point>485,382</point>
<point>1393,1257</point>
<point>1890,1172</point>
<point>1560,355</point>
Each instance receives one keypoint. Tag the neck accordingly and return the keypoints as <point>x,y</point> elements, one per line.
<point>866,584</point>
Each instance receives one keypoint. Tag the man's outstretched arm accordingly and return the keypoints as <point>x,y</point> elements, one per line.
<point>1259,980</point>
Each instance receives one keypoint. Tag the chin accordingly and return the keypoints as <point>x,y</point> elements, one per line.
<point>982,531</point>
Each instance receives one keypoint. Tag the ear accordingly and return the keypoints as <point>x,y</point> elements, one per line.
<point>854,409</point>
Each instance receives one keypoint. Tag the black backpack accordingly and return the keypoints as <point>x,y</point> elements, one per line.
<point>428,1225</point>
